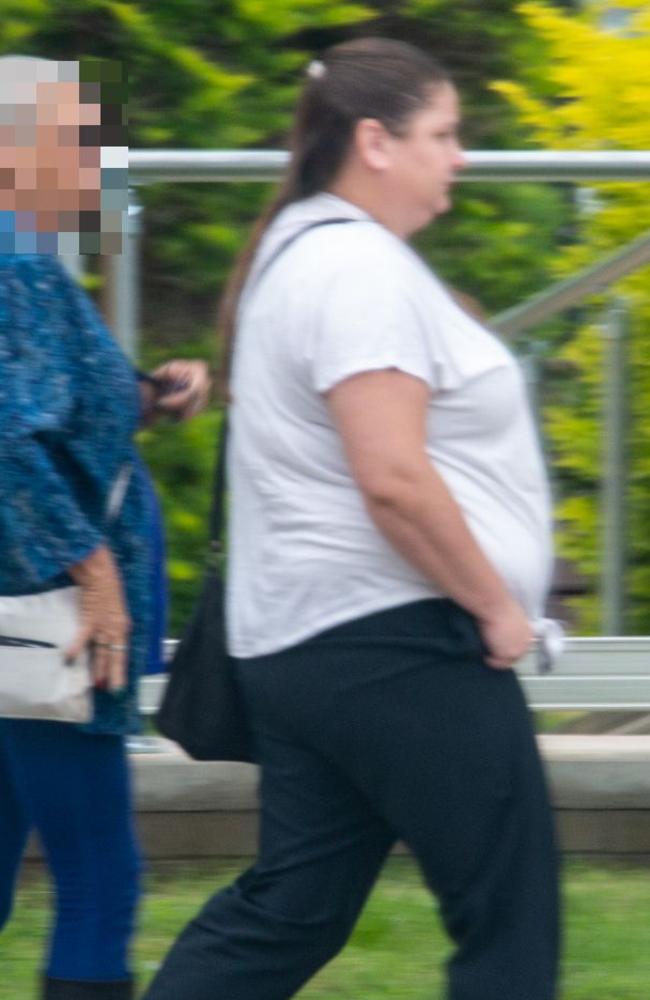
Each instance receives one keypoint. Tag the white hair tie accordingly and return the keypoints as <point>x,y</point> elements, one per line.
<point>316,69</point>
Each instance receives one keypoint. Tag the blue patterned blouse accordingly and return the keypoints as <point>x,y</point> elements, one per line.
<point>69,406</point>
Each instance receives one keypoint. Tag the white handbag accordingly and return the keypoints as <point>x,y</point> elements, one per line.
<point>36,682</point>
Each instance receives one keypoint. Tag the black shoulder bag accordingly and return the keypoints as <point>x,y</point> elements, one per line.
<point>202,708</point>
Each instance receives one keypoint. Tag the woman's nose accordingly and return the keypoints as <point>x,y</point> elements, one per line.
<point>459,159</point>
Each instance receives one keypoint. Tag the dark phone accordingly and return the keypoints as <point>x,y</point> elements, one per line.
<point>164,386</point>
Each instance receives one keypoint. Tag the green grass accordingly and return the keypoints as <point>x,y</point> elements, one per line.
<point>398,949</point>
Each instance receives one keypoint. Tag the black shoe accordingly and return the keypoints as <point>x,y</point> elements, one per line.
<point>73,989</point>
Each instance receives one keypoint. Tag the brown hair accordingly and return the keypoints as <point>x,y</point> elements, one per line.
<point>365,78</point>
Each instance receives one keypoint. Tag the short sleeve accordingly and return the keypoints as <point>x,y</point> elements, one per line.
<point>368,319</point>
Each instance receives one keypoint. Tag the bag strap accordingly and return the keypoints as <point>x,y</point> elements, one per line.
<point>217,514</point>
<point>217,511</point>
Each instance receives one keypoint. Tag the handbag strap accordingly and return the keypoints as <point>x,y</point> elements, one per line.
<point>217,511</point>
<point>217,515</point>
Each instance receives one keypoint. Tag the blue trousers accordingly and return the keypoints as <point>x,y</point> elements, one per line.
<point>388,727</point>
<point>73,789</point>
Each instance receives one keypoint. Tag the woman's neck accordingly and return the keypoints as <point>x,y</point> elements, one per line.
<point>370,198</point>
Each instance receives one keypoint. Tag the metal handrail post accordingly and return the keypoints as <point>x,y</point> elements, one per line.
<point>124,282</point>
<point>613,482</point>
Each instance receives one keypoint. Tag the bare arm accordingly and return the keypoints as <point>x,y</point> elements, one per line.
<point>381,418</point>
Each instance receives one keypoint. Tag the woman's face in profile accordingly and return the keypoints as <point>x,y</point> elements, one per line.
<point>427,157</point>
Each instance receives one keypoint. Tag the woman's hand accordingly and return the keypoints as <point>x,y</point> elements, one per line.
<point>507,635</point>
<point>183,388</point>
<point>105,623</point>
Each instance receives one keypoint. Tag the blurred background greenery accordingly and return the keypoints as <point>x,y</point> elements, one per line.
<point>219,75</point>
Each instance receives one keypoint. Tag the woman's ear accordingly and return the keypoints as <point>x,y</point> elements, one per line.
<point>372,144</point>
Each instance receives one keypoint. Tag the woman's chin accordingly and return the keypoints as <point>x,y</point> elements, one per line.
<point>443,204</point>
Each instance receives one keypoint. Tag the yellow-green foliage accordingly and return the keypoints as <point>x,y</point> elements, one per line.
<point>597,96</point>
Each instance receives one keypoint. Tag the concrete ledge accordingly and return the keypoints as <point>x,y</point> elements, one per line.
<point>188,808</point>
<point>616,833</point>
<point>172,782</point>
<point>600,786</point>
<point>605,773</point>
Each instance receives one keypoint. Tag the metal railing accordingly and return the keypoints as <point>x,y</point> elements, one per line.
<point>593,674</point>
<point>227,166</point>
<point>565,294</point>
<point>148,165</point>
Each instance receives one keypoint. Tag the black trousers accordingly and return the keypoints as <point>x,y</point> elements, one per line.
<point>388,727</point>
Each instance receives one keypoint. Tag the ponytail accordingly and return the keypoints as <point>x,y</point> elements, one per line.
<point>365,78</point>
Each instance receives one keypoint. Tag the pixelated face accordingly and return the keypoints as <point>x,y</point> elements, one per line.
<point>51,170</point>
<point>58,189</point>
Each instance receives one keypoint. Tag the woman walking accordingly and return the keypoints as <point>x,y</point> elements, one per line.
<point>70,404</point>
<point>389,547</point>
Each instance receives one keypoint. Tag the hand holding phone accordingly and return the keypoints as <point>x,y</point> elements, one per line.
<point>181,388</point>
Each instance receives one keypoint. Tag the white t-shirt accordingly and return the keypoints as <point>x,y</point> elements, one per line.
<point>304,555</point>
